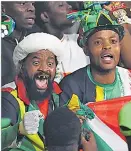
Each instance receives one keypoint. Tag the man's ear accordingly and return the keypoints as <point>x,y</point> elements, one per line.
<point>44,17</point>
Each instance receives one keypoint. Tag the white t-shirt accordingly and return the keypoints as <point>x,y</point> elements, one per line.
<point>73,57</point>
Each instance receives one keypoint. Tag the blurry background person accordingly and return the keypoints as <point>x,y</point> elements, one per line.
<point>23,13</point>
<point>51,17</point>
<point>125,57</point>
<point>62,131</point>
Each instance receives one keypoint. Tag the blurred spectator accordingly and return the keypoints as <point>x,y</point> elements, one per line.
<point>74,29</point>
<point>125,58</point>
<point>62,131</point>
<point>51,18</point>
<point>23,14</point>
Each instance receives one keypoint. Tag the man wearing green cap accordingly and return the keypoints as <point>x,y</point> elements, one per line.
<point>125,122</point>
<point>102,79</point>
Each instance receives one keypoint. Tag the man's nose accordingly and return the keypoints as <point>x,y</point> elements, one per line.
<point>44,67</point>
<point>31,7</point>
<point>107,46</point>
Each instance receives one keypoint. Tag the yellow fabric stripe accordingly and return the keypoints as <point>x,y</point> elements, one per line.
<point>99,93</point>
<point>21,104</point>
<point>74,104</point>
<point>35,137</point>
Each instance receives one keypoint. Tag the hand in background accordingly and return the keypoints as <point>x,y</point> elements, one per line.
<point>90,144</point>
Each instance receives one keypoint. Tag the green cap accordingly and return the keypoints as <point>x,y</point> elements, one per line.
<point>95,21</point>
<point>125,119</point>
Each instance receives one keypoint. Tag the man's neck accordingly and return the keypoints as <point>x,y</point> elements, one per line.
<point>18,34</point>
<point>104,77</point>
<point>53,31</point>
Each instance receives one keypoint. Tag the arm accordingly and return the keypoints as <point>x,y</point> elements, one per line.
<point>10,107</point>
<point>10,116</point>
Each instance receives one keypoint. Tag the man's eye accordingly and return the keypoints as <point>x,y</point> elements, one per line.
<point>97,42</point>
<point>36,63</point>
<point>33,3</point>
<point>22,3</point>
<point>50,64</point>
<point>113,41</point>
<point>61,5</point>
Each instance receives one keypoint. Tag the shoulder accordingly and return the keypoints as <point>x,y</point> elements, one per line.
<point>76,76</point>
<point>7,98</point>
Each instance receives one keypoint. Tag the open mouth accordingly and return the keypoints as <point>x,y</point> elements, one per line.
<point>107,57</point>
<point>41,81</point>
<point>31,20</point>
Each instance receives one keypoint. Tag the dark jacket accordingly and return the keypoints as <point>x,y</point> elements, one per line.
<point>77,83</point>
<point>7,65</point>
<point>8,45</point>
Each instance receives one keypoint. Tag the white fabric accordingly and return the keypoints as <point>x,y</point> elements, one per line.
<point>10,85</point>
<point>73,56</point>
<point>107,134</point>
<point>31,121</point>
<point>125,76</point>
<point>35,42</point>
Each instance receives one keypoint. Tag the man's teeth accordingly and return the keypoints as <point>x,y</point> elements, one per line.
<point>41,77</point>
<point>107,56</point>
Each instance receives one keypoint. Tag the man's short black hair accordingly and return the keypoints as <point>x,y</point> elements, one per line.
<point>62,128</point>
<point>39,8</point>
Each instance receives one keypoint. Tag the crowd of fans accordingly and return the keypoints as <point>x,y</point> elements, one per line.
<point>48,60</point>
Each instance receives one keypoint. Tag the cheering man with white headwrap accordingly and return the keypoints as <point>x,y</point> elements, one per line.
<point>33,95</point>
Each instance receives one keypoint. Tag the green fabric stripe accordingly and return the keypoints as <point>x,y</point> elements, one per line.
<point>101,144</point>
<point>26,145</point>
<point>110,90</point>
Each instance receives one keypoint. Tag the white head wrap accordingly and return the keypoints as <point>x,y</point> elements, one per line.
<point>35,42</point>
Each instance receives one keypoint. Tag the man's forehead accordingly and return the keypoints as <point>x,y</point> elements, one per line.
<point>105,33</point>
<point>12,3</point>
<point>50,3</point>
<point>41,53</point>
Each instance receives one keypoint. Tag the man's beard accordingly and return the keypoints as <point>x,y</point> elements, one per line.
<point>33,92</point>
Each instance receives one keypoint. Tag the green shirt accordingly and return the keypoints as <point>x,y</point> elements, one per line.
<point>110,90</point>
